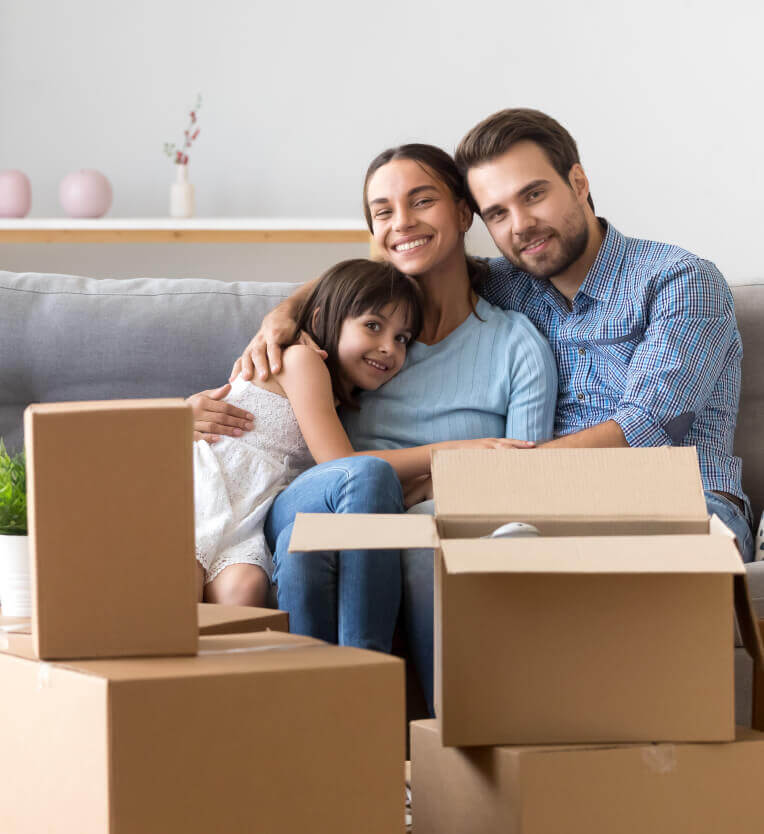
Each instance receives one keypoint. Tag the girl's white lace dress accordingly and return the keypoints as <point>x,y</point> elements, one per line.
<point>237,478</point>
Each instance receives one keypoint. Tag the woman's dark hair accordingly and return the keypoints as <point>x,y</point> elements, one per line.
<point>348,290</point>
<point>496,134</point>
<point>438,163</point>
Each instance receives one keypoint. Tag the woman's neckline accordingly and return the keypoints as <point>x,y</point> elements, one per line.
<point>479,302</point>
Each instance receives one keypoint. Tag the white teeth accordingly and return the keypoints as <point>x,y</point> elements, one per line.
<point>404,247</point>
<point>378,365</point>
<point>536,243</point>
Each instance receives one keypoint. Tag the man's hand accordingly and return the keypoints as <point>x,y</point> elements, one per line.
<point>213,418</point>
<point>263,354</point>
<point>417,490</point>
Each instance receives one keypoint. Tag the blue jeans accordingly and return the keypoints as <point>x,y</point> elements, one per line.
<point>735,520</point>
<point>418,578</point>
<point>351,597</point>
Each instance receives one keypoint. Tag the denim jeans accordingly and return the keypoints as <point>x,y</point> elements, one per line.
<point>350,597</point>
<point>418,579</point>
<point>735,520</point>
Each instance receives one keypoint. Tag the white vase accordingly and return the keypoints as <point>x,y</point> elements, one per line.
<point>181,194</point>
<point>15,592</point>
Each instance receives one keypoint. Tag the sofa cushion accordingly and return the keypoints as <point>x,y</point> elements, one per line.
<point>69,338</point>
<point>749,437</point>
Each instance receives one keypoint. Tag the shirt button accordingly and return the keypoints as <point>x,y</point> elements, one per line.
<point>581,352</point>
<point>580,396</point>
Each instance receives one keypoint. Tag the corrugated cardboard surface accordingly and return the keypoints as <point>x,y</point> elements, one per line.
<point>550,658</point>
<point>758,689</point>
<point>111,522</point>
<point>650,789</point>
<point>562,491</point>
<point>239,619</point>
<point>264,732</point>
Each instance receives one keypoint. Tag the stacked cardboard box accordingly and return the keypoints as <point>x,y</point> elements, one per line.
<point>608,633</point>
<point>137,724</point>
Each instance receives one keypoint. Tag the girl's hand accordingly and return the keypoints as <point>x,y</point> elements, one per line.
<point>487,443</point>
<point>213,418</point>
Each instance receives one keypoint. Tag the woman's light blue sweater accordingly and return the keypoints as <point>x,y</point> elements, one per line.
<point>490,378</point>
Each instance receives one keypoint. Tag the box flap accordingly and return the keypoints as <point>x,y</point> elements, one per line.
<point>618,486</point>
<point>747,623</point>
<point>350,531</point>
<point>580,554</point>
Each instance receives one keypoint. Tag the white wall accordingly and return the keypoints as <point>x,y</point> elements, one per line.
<point>663,96</point>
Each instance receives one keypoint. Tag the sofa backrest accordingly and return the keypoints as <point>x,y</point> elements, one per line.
<point>749,437</point>
<point>68,338</point>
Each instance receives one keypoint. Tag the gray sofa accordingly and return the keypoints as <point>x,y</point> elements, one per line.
<point>68,338</point>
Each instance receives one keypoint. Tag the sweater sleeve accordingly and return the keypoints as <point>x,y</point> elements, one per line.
<point>532,384</point>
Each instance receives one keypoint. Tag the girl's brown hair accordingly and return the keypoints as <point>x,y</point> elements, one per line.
<point>348,290</point>
<point>438,163</point>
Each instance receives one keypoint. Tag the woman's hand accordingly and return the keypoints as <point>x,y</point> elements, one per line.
<point>486,443</point>
<point>263,354</point>
<point>213,418</point>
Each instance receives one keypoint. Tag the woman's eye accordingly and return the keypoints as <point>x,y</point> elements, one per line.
<point>423,202</point>
<point>382,213</point>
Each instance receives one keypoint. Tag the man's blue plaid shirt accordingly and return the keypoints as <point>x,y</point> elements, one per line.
<point>651,342</point>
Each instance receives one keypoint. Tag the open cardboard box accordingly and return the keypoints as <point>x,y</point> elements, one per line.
<point>267,732</point>
<point>586,789</point>
<point>615,625</point>
<point>111,528</point>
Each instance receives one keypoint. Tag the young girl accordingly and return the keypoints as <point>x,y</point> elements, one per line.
<point>363,315</point>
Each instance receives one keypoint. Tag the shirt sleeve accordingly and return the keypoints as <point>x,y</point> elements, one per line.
<point>676,366</point>
<point>532,384</point>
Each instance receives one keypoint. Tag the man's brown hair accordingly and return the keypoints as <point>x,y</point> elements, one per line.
<point>495,135</point>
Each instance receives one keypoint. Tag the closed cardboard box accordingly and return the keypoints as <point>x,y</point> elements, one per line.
<point>587,789</point>
<point>266,732</point>
<point>614,625</point>
<point>111,528</point>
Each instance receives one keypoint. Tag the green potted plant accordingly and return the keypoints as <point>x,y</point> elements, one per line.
<point>14,542</point>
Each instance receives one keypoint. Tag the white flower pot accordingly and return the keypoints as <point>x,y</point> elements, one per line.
<point>181,194</point>
<point>15,591</point>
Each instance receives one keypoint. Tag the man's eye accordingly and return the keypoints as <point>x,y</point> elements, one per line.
<point>534,195</point>
<point>496,215</point>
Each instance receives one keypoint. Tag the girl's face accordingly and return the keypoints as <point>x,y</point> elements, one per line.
<point>372,347</point>
<point>416,223</point>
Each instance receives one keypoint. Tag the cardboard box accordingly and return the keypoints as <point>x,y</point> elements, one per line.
<point>758,688</point>
<point>16,632</point>
<point>266,732</point>
<point>586,789</point>
<point>111,528</point>
<point>239,619</point>
<point>614,626</point>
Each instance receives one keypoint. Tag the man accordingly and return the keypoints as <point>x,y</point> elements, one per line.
<point>644,333</point>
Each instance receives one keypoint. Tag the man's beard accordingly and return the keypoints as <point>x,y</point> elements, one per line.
<point>573,238</point>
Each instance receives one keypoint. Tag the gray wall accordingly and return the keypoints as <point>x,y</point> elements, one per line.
<point>663,98</point>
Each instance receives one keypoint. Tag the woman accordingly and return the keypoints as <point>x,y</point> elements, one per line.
<point>476,373</point>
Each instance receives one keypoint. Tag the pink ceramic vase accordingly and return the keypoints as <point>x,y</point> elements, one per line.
<point>15,194</point>
<point>85,193</point>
